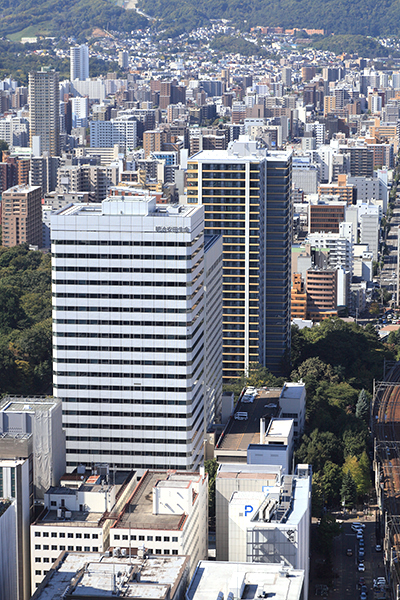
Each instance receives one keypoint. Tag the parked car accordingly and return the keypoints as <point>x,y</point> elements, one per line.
<point>241,416</point>
<point>378,548</point>
<point>358,524</point>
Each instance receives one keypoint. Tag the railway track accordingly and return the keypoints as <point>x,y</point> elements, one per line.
<point>386,430</point>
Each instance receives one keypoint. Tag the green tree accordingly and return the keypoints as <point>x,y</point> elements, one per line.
<point>11,313</point>
<point>211,467</point>
<point>331,482</point>
<point>258,377</point>
<point>328,529</point>
<point>354,442</point>
<point>317,496</point>
<point>318,448</point>
<point>348,491</point>
<point>362,406</point>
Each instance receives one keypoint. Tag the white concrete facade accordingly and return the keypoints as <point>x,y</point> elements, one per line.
<point>79,62</point>
<point>216,580</point>
<point>105,134</point>
<point>42,417</point>
<point>74,520</point>
<point>292,401</point>
<point>15,485</point>
<point>128,333</point>
<point>238,477</point>
<point>8,550</point>
<point>273,525</point>
<point>175,524</point>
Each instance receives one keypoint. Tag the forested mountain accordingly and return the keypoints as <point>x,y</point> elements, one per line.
<point>366,17</point>
<point>66,17</point>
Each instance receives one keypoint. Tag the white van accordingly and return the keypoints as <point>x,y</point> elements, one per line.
<point>241,416</point>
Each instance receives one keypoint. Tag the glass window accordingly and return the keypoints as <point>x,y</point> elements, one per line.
<point>12,482</point>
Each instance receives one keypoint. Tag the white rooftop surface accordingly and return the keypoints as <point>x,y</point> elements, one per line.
<point>128,206</point>
<point>216,156</point>
<point>256,497</point>
<point>211,578</point>
<point>100,577</point>
<point>244,468</point>
<point>292,389</point>
<point>156,574</point>
<point>29,405</point>
<point>301,499</point>
<point>280,428</point>
<point>57,584</point>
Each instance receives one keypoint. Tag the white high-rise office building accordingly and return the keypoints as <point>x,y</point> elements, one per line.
<point>80,111</point>
<point>79,62</point>
<point>129,337</point>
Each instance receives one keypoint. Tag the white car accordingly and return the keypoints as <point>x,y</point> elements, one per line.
<point>241,416</point>
<point>247,399</point>
<point>357,526</point>
<point>361,567</point>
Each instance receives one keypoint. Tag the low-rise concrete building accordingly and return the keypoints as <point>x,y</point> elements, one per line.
<point>167,514</point>
<point>80,575</point>
<point>76,519</point>
<point>213,580</point>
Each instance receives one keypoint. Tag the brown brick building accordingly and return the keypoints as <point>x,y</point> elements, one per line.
<point>321,287</point>
<point>21,212</point>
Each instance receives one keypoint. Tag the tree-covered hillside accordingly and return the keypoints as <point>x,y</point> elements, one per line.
<point>25,321</point>
<point>66,17</point>
<point>365,17</point>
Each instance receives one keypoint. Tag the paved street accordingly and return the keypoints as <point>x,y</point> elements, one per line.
<point>345,567</point>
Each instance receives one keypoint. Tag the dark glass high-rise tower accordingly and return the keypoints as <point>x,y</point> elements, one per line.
<point>246,194</point>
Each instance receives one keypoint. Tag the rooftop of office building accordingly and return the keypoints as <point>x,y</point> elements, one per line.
<point>139,511</point>
<point>256,404</point>
<point>28,404</point>
<point>21,189</point>
<point>242,150</point>
<point>245,581</point>
<point>125,205</point>
<point>74,518</point>
<point>245,471</point>
<point>94,575</point>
